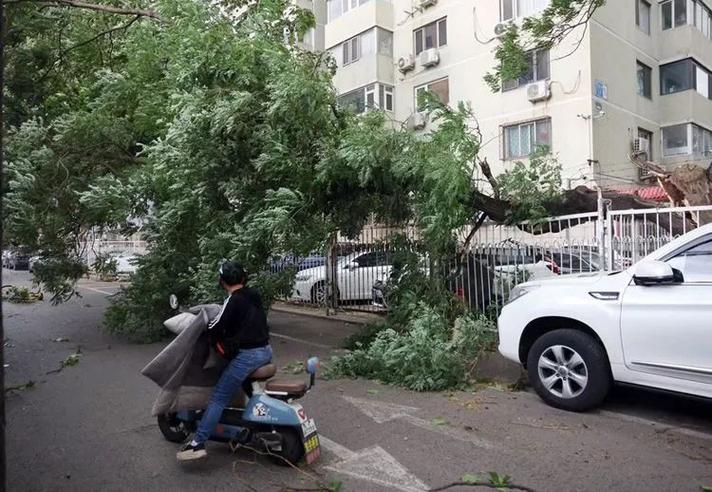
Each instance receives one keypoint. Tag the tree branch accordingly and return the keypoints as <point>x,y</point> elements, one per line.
<point>91,6</point>
<point>510,486</point>
<point>84,43</point>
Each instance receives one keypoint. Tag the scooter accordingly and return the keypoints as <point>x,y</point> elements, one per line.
<point>270,421</point>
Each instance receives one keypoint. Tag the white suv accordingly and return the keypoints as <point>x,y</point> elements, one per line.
<point>649,325</point>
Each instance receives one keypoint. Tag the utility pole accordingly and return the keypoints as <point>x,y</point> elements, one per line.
<point>3,461</point>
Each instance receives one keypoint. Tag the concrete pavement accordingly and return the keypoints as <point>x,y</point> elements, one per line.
<point>89,427</point>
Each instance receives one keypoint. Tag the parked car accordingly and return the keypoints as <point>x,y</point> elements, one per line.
<point>472,281</point>
<point>16,259</point>
<point>32,263</point>
<point>126,263</point>
<point>313,259</point>
<point>648,325</point>
<point>356,274</point>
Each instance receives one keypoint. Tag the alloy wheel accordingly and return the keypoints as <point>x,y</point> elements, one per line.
<point>562,371</point>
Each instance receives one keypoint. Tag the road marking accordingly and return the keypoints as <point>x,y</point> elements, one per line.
<point>97,290</point>
<point>336,448</point>
<point>662,426</point>
<point>382,412</point>
<point>287,337</point>
<point>373,465</point>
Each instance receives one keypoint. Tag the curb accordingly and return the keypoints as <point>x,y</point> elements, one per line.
<point>352,318</point>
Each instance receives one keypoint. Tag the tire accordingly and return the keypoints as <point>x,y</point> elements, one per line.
<point>173,430</point>
<point>569,369</point>
<point>318,294</point>
<point>292,448</point>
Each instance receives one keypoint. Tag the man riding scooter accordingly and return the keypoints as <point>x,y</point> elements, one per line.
<point>239,334</point>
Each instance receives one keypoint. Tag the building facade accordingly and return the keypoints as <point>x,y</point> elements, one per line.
<point>638,76</point>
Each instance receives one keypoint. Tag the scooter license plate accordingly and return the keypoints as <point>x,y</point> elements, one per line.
<point>312,449</point>
<point>308,427</point>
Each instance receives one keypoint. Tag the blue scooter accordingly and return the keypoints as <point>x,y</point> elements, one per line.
<point>270,421</point>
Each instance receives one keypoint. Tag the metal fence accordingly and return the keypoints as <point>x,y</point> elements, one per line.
<point>490,261</point>
<point>356,274</point>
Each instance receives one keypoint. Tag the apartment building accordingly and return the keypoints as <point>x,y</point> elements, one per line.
<point>638,76</point>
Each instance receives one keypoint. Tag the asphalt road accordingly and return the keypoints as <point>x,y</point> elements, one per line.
<point>88,427</point>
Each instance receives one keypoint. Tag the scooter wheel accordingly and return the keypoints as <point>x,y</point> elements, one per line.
<point>172,428</point>
<point>292,448</point>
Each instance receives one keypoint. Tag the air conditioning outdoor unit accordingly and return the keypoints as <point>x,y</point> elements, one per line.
<point>424,4</point>
<point>406,63</point>
<point>501,28</point>
<point>417,121</point>
<point>538,91</point>
<point>641,144</point>
<point>430,57</point>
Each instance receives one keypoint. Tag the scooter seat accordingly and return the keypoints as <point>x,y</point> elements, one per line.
<point>263,373</point>
<point>292,388</point>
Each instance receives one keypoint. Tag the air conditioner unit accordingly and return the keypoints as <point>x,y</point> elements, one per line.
<point>430,57</point>
<point>641,144</point>
<point>538,91</point>
<point>406,63</point>
<point>500,29</point>
<point>424,4</point>
<point>417,121</point>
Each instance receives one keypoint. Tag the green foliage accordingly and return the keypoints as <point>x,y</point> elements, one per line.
<point>561,19</point>
<point>365,336</point>
<point>226,138</point>
<point>22,295</point>
<point>429,354</point>
<point>533,187</point>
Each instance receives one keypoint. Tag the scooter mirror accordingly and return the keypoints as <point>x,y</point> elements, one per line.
<point>173,301</point>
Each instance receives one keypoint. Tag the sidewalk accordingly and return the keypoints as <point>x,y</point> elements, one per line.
<point>355,317</point>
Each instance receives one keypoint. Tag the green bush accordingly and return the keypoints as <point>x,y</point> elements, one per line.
<point>430,354</point>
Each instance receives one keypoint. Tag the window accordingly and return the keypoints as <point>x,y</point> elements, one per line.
<point>701,141</point>
<point>675,141</point>
<point>440,88</point>
<point>645,76</point>
<point>350,50</point>
<point>676,77</point>
<point>685,75</point>
<point>538,69</point>
<point>355,48</point>
<point>522,139</point>
<point>513,9</point>
<point>431,35</point>
<point>370,96</point>
<point>677,13</point>
<point>695,263</point>
<point>337,8</point>
<point>373,259</point>
<point>642,15</point>
<point>702,81</point>
<point>386,97</point>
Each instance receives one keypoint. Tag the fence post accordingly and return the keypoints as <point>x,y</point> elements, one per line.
<point>331,276</point>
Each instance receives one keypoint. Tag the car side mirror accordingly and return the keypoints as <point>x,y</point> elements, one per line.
<point>656,272</point>
<point>173,301</point>
<point>351,266</point>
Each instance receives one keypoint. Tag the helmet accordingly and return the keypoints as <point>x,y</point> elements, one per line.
<point>232,273</point>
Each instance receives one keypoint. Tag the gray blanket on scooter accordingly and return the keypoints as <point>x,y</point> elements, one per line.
<point>187,369</point>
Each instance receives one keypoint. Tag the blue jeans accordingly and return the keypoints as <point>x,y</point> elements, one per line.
<point>246,362</point>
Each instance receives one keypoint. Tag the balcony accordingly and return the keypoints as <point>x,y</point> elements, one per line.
<point>355,21</point>
<point>685,106</point>
<point>683,42</point>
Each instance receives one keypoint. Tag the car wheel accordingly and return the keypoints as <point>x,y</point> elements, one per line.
<point>319,294</point>
<point>569,369</point>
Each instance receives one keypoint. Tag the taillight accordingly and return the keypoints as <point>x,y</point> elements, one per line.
<point>460,292</point>
<point>551,265</point>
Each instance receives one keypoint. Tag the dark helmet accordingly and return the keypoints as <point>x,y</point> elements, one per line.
<point>232,273</point>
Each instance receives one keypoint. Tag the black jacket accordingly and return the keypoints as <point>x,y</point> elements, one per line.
<point>241,324</point>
